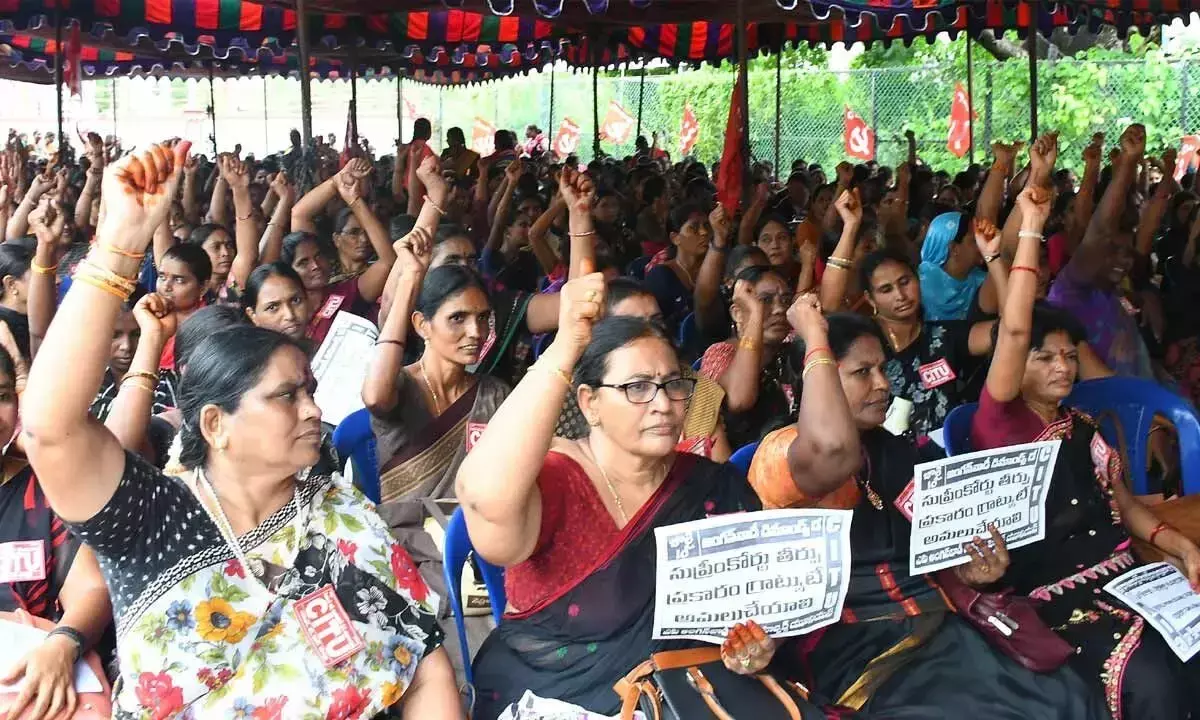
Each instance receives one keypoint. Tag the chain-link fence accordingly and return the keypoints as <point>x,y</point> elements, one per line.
<point>1076,98</point>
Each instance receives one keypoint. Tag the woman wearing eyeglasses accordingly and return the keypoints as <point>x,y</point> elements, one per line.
<point>573,520</point>
<point>750,366</point>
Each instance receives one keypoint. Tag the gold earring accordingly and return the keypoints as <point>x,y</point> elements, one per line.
<point>221,444</point>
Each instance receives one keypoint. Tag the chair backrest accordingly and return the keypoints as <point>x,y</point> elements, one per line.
<point>957,431</point>
<point>1135,402</point>
<point>742,456</point>
<point>454,559</point>
<point>637,267</point>
<point>687,331</point>
<point>354,439</point>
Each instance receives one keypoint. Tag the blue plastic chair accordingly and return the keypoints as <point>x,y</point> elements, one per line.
<point>742,456</point>
<point>957,430</point>
<point>454,560</point>
<point>687,331</point>
<point>637,268</point>
<point>1135,402</point>
<point>354,439</point>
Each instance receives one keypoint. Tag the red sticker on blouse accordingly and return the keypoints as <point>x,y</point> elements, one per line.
<point>332,303</point>
<point>474,431</point>
<point>327,627</point>
<point>904,501</point>
<point>22,561</point>
<point>936,374</point>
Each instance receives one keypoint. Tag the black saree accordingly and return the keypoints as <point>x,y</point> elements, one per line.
<point>900,651</point>
<point>581,643</point>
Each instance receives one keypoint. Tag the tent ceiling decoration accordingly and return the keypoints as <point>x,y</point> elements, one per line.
<point>249,28</point>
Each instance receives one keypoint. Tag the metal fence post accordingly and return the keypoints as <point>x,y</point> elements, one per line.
<point>1183,96</point>
<point>875,111</point>
<point>987,110</point>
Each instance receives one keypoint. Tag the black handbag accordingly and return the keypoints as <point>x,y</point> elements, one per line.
<point>696,685</point>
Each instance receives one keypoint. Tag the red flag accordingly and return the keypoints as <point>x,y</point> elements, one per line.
<point>1189,156</point>
<point>566,141</point>
<point>72,72</point>
<point>618,123</point>
<point>483,137</point>
<point>959,140</point>
<point>730,174</point>
<point>348,141</point>
<point>857,137</point>
<point>689,131</point>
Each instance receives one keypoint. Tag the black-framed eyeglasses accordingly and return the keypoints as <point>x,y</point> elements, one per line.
<point>641,392</point>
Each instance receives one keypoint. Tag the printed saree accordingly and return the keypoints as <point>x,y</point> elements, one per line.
<point>574,644</point>
<point>198,637</point>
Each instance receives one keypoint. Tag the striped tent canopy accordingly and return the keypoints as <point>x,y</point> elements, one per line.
<point>235,26</point>
<point>33,58</point>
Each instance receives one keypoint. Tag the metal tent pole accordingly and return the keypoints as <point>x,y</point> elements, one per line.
<point>595,97</point>
<point>306,136</point>
<point>266,119</point>
<point>354,96</point>
<point>399,106</point>
<point>1031,48</point>
<point>550,121</point>
<point>778,105</point>
<point>59,59</point>
<point>114,106</point>
<point>212,109</point>
<point>641,98</point>
<point>744,80</point>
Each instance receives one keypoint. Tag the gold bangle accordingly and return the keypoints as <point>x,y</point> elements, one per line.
<point>91,265</point>
<point>562,374</point>
<point>138,383</point>
<point>106,276</point>
<point>812,364</point>
<point>123,253</point>
<point>748,344</point>
<point>43,269</point>
<point>586,233</point>
<point>152,377</point>
<point>434,205</point>
<point>99,284</point>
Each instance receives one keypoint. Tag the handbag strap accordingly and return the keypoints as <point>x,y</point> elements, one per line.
<point>701,685</point>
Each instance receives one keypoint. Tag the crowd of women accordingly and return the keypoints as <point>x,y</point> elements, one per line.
<point>570,355</point>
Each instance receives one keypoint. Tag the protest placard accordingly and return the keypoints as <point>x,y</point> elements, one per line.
<point>954,500</point>
<point>1161,595</point>
<point>340,366</point>
<point>788,570</point>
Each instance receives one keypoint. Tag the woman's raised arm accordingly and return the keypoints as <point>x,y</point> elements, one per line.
<point>78,462</point>
<point>129,415</point>
<point>497,481</point>
<point>841,263</point>
<point>1016,319</point>
<point>381,389</point>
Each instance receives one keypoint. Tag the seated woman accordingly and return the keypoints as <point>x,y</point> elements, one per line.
<point>703,430</point>
<point>423,415</point>
<point>275,299</point>
<point>573,521</point>
<point>714,287</point>
<point>183,275</point>
<point>1090,513</point>
<point>900,650</point>
<point>231,263</point>
<point>674,281</point>
<point>15,275</point>
<point>954,284</point>
<point>65,586</point>
<point>225,583</point>
<point>750,368</point>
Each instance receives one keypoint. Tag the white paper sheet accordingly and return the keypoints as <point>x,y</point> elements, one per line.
<point>340,366</point>
<point>788,570</point>
<point>17,640</point>
<point>954,500</point>
<point>1161,594</point>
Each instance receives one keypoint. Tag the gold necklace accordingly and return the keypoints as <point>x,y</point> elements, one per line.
<point>613,490</point>
<point>684,270</point>
<point>437,406</point>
